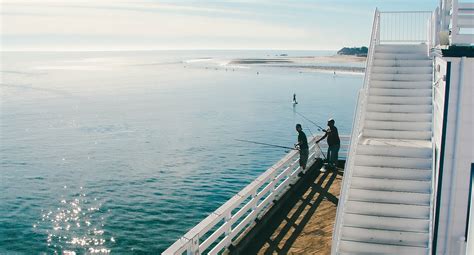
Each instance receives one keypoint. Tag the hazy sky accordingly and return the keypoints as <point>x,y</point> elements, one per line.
<point>206,24</point>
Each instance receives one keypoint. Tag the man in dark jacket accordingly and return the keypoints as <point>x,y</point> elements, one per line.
<point>302,145</point>
<point>334,143</point>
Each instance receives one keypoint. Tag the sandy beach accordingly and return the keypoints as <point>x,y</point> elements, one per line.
<point>334,63</point>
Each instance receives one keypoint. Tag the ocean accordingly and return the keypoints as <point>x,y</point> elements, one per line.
<point>123,152</point>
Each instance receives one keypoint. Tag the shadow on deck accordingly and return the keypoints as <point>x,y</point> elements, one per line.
<point>301,222</point>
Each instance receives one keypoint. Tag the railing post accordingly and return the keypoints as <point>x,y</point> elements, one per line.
<point>254,196</point>
<point>377,37</point>
<point>228,228</point>
<point>454,22</point>
<point>194,247</point>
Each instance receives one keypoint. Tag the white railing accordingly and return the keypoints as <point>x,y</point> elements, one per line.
<point>405,27</point>
<point>357,129</point>
<point>456,22</point>
<point>462,23</point>
<point>217,231</point>
<point>230,221</point>
<point>344,149</point>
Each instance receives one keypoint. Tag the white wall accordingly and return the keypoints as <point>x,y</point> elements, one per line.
<point>458,157</point>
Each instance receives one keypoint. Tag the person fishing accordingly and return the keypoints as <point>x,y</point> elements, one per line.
<point>334,143</point>
<point>302,145</point>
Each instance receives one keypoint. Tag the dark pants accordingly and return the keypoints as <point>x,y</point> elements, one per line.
<point>332,154</point>
<point>304,153</point>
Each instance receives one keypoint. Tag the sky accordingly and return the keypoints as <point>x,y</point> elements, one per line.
<point>203,24</point>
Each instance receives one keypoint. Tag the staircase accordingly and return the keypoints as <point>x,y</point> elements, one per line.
<point>387,209</point>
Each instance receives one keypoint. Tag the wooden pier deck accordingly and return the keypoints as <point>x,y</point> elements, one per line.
<point>304,224</point>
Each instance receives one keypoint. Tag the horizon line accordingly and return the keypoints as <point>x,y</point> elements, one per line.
<point>160,49</point>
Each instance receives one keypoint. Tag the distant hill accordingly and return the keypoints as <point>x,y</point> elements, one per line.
<point>362,51</point>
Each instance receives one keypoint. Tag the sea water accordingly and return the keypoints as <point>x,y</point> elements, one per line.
<point>124,152</point>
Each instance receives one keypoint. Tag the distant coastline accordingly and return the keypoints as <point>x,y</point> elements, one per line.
<point>335,63</point>
<point>355,51</point>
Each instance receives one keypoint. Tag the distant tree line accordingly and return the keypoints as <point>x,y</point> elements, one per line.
<point>362,51</point>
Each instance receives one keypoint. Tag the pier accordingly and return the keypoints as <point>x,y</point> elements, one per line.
<point>283,207</point>
<point>408,182</point>
<point>302,223</point>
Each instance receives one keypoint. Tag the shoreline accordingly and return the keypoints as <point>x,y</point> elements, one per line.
<point>334,63</point>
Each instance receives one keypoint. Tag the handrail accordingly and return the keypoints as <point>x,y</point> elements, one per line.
<point>405,27</point>
<point>357,129</point>
<point>455,21</point>
<point>228,222</point>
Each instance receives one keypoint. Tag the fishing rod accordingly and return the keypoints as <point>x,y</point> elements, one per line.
<point>321,151</point>
<point>314,123</point>
<point>317,144</point>
<point>266,144</point>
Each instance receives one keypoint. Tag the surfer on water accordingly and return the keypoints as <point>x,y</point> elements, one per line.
<point>294,99</point>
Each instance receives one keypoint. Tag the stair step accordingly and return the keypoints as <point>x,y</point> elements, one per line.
<point>395,162</point>
<point>403,69</point>
<point>400,77</point>
<point>401,56</point>
<point>402,62</point>
<point>390,185</point>
<point>392,197</point>
<point>413,92</point>
<point>356,248</point>
<point>392,173</point>
<point>401,117</point>
<point>391,223</point>
<point>393,237</point>
<point>400,108</point>
<point>394,151</point>
<point>398,134</point>
<point>396,48</point>
<point>398,126</point>
<point>400,100</point>
<point>401,84</point>
<point>388,210</point>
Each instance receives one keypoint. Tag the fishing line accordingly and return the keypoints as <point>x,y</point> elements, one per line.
<point>321,151</point>
<point>317,143</point>
<point>314,123</point>
<point>266,144</point>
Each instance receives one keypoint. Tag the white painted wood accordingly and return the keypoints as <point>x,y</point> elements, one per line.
<point>253,201</point>
<point>393,173</point>
<point>401,77</point>
<point>400,108</point>
<point>383,196</point>
<point>465,39</point>
<point>412,92</point>
<point>399,126</point>
<point>398,134</point>
<point>400,100</point>
<point>465,21</point>
<point>401,56</point>
<point>465,6</point>
<point>383,184</point>
<point>358,248</point>
<point>401,84</point>
<point>389,223</point>
<point>388,210</point>
<point>403,63</point>
<point>403,69</point>
<point>393,237</point>
<point>395,151</point>
<point>399,48</point>
<point>395,162</point>
<point>404,117</point>
<point>386,206</point>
